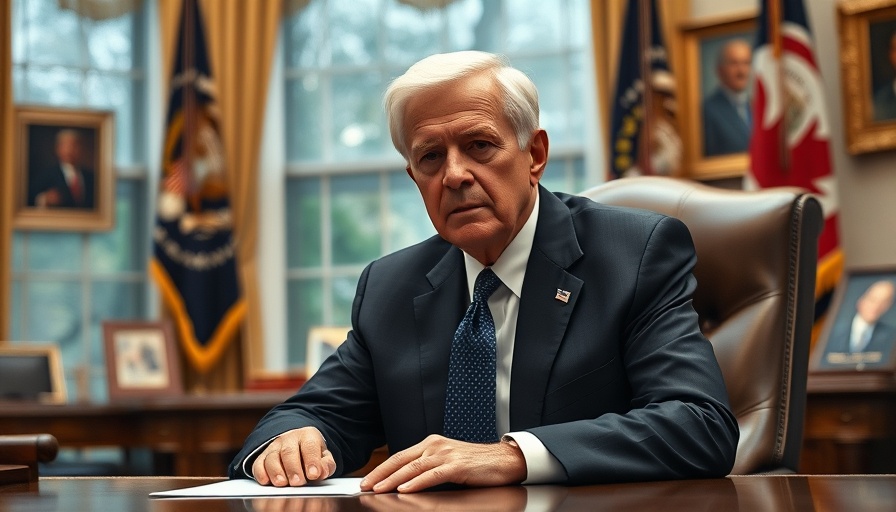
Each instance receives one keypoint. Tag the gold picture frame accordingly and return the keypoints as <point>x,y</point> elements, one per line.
<point>141,359</point>
<point>322,342</point>
<point>50,195</point>
<point>867,30</point>
<point>32,372</point>
<point>861,293</point>
<point>701,41</point>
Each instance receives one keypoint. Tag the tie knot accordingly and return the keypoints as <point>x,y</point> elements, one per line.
<point>486,284</point>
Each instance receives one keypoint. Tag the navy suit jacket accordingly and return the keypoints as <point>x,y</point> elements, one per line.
<point>618,383</point>
<point>53,178</point>
<point>724,130</point>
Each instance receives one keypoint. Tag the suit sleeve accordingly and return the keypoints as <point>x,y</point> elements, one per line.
<point>679,424</point>
<point>340,400</point>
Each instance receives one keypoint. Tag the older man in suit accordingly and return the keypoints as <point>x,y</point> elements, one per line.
<point>864,339</point>
<point>68,183</point>
<point>726,111</point>
<point>593,367</point>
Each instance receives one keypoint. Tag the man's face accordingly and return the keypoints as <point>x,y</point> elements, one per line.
<point>478,186</point>
<point>875,302</point>
<point>734,66</point>
<point>68,149</point>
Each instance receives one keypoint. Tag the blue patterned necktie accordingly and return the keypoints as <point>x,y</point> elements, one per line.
<point>470,400</point>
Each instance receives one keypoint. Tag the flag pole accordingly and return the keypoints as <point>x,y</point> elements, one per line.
<point>776,39</point>
<point>644,48</point>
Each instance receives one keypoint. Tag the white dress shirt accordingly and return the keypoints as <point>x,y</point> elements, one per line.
<point>504,304</point>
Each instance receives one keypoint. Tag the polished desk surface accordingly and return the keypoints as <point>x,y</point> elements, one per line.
<point>828,493</point>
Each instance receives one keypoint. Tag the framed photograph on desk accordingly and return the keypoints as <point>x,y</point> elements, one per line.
<point>860,330</point>
<point>31,373</point>
<point>141,359</point>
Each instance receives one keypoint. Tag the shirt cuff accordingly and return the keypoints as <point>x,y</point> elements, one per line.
<point>541,466</point>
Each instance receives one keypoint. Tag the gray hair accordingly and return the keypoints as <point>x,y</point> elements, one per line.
<point>518,92</point>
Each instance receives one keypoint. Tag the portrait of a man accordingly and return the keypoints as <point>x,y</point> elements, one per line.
<point>61,167</point>
<point>882,45</point>
<point>726,104</point>
<point>864,329</point>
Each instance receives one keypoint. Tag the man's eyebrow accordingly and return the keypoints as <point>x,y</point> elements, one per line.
<point>424,145</point>
<point>480,131</point>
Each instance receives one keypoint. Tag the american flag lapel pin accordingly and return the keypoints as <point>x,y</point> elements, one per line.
<point>562,296</point>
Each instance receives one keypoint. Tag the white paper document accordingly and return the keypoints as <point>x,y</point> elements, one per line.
<point>244,488</point>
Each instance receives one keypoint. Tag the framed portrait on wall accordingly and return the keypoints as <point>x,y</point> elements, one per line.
<point>860,331</point>
<point>141,359</point>
<point>715,91</point>
<point>868,71</point>
<point>64,177</point>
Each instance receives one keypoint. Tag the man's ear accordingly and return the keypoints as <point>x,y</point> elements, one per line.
<point>538,151</point>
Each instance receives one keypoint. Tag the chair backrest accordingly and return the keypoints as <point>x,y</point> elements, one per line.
<point>756,262</point>
<point>25,451</point>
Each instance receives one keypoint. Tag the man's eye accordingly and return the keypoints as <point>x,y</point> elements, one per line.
<point>481,144</point>
<point>429,157</point>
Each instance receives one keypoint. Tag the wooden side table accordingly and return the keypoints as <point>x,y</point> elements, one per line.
<point>850,423</point>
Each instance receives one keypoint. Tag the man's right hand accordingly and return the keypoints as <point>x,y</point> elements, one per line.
<point>294,458</point>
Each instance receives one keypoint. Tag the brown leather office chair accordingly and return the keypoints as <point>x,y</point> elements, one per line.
<point>20,455</point>
<point>756,262</point>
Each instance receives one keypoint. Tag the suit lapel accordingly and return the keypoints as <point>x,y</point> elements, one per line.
<point>543,317</point>
<point>436,324</point>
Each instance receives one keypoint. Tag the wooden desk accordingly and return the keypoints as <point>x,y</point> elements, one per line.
<point>850,424</point>
<point>868,493</point>
<point>198,433</point>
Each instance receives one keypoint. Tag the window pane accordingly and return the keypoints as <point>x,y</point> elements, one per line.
<point>344,288</point>
<point>355,217</point>
<point>19,85</point>
<point>411,34</point>
<point>110,43</point>
<point>353,32</point>
<point>555,176</point>
<point>54,251</point>
<point>306,34</point>
<point>550,76</point>
<point>358,118</point>
<point>18,251</point>
<point>534,24</point>
<point>15,318</point>
<point>304,114</point>
<point>53,86</point>
<point>303,223</point>
<point>473,24</point>
<point>124,248</point>
<point>306,310</point>
<point>18,36</point>
<point>115,92</point>
<point>52,35</point>
<point>408,222</point>
<point>54,315</point>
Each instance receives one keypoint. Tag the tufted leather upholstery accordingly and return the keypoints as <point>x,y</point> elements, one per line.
<point>756,262</point>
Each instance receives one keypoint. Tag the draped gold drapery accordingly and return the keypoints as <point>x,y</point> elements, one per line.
<point>6,170</point>
<point>241,37</point>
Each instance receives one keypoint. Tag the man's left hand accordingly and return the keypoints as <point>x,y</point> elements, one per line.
<point>438,460</point>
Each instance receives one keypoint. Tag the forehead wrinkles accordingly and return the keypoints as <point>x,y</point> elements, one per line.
<point>432,135</point>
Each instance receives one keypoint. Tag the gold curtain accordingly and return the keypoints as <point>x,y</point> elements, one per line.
<point>6,170</point>
<point>241,35</point>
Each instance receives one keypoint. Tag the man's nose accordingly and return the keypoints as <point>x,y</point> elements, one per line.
<point>457,172</point>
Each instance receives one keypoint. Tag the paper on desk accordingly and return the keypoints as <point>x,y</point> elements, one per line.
<point>243,488</point>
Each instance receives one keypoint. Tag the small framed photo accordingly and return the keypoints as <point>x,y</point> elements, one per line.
<point>322,343</point>
<point>31,373</point>
<point>715,91</point>
<point>141,359</point>
<point>868,71</point>
<point>64,177</point>
<point>860,330</point>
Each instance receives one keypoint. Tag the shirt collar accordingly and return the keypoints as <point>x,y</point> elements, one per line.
<point>511,264</point>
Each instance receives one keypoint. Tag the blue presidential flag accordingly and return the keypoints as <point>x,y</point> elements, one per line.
<point>644,135</point>
<point>193,245</point>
